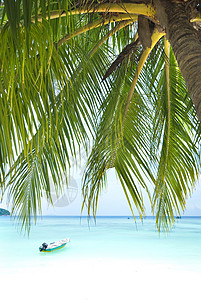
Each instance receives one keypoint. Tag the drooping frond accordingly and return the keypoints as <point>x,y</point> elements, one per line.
<point>28,79</point>
<point>122,140</point>
<point>53,57</point>
<point>176,150</point>
<point>49,156</point>
<point>153,142</point>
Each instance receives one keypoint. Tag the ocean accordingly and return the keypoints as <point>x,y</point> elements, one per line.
<point>109,237</point>
<point>114,258</point>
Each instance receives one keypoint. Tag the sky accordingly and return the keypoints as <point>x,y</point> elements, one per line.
<point>112,201</point>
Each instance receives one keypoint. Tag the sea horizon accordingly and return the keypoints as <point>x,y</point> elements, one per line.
<point>112,252</point>
<point>102,216</point>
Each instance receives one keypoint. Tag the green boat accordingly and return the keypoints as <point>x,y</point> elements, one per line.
<point>53,246</point>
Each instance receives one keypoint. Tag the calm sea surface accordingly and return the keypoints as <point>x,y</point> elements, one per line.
<point>110,237</point>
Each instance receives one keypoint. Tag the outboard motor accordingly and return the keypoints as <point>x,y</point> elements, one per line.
<point>43,247</point>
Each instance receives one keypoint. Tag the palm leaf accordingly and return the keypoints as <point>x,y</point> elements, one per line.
<point>155,140</point>
<point>30,173</point>
<point>53,57</point>
<point>122,139</point>
<point>177,157</point>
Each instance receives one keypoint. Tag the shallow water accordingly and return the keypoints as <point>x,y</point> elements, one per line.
<point>110,237</point>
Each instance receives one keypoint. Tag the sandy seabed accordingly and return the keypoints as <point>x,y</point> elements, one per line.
<point>101,279</point>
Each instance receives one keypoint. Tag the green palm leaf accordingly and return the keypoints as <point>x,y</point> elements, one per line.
<point>53,57</point>
<point>156,143</point>
<point>50,156</point>
<point>176,152</point>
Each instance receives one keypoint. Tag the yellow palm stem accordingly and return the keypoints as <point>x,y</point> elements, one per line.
<point>167,70</point>
<point>156,36</point>
<point>96,24</point>
<point>197,18</point>
<point>129,8</point>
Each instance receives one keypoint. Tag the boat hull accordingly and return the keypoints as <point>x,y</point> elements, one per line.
<point>55,246</point>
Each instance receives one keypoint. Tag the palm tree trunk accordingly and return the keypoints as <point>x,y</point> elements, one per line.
<point>186,44</point>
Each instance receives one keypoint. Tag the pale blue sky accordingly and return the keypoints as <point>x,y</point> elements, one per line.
<point>112,201</point>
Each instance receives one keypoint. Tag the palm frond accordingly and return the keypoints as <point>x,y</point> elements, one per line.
<point>153,138</point>
<point>177,156</point>
<point>53,57</point>
<point>122,138</point>
<point>68,129</point>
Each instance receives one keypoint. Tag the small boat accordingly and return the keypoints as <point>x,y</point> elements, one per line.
<point>53,246</point>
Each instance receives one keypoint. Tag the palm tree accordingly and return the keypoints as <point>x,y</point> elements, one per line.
<point>125,74</point>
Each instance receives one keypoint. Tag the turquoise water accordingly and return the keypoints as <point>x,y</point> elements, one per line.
<point>110,237</point>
